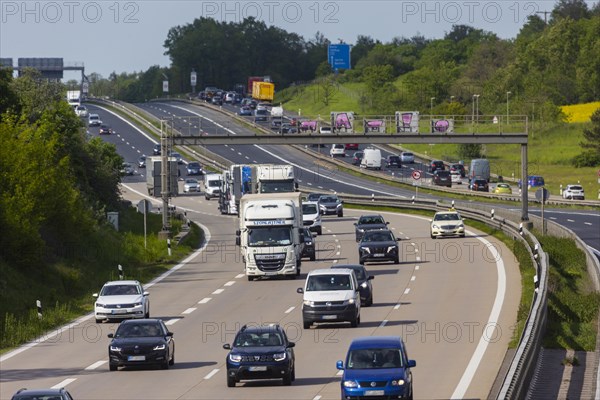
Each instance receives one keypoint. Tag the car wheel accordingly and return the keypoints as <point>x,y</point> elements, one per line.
<point>306,324</point>
<point>113,367</point>
<point>165,365</point>
<point>250,278</point>
<point>354,323</point>
<point>320,231</point>
<point>207,198</point>
<point>369,302</point>
<point>147,315</point>
<point>462,236</point>
<point>230,381</point>
<point>433,237</point>
<point>293,374</point>
<point>341,214</point>
<point>287,379</point>
<point>397,260</point>
<point>361,262</point>
<point>172,361</point>
<point>98,321</point>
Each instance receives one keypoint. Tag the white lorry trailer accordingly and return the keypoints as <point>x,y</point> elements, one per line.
<point>270,234</point>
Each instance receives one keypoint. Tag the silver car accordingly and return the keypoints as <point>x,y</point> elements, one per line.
<point>191,185</point>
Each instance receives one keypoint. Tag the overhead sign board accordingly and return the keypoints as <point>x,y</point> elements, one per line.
<point>338,56</point>
<point>407,121</point>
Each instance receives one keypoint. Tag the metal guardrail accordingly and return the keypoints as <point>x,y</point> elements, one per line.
<point>522,367</point>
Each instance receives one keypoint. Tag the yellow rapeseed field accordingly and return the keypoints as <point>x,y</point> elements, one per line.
<point>580,112</point>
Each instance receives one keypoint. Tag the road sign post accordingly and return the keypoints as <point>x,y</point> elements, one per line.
<point>144,206</point>
<point>416,175</point>
<point>542,194</point>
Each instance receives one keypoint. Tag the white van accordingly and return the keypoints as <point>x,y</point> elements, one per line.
<point>371,158</point>
<point>330,295</point>
<point>212,186</point>
<point>480,169</point>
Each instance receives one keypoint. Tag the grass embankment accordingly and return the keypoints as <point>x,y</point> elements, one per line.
<point>66,282</point>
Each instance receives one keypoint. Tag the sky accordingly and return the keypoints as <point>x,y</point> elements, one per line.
<point>126,36</point>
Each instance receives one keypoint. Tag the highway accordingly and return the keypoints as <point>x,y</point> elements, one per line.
<point>454,301</point>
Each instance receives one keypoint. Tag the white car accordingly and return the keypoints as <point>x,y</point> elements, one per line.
<point>311,216</point>
<point>455,177</point>
<point>337,150</point>
<point>81,111</point>
<point>191,185</point>
<point>574,192</point>
<point>407,157</point>
<point>94,120</point>
<point>121,300</point>
<point>325,130</point>
<point>447,223</point>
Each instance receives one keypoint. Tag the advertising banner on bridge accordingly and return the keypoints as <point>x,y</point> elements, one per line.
<point>342,121</point>
<point>442,125</point>
<point>407,122</point>
<point>374,125</point>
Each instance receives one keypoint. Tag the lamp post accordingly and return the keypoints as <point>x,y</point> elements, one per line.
<point>507,109</point>
<point>475,98</point>
<point>431,106</point>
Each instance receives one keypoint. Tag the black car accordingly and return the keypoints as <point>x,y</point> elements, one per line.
<point>156,149</point>
<point>442,178</point>
<point>260,352</point>
<point>194,168</point>
<point>288,128</point>
<point>436,165</point>
<point>378,246</point>
<point>364,282</point>
<point>393,161</point>
<point>357,157</point>
<point>309,245</point>
<point>42,394</point>
<point>480,185</point>
<point>142,162</point>
<point>460,168</point>
<point>105,130</point>
<point>368,223</point>
<point>141,342</point>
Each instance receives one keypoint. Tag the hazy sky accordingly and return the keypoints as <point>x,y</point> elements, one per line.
<point>109,35</point>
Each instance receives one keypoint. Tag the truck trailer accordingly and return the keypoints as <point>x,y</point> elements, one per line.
<point>263,91</point>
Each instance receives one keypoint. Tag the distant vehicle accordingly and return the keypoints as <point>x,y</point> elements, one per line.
<point>177,158</point>
<point>351,146</point>
<point>81,111</point>
<point>142,162</point>
<point>480,169</point>
<point>337,150</point>
<point>94,120</point>
<point>378,245</point>
<point>311,216</point>
<point>393,161</point>
<point>288,128</point>
<point>436,165</point>
<point>455,177</point>
<point>141,342</point>
<point>371,159</point>
<point>212,186</point>
<point>191,185</point>
<point>217,100</point>
<point>407,157</point>
<point>127,169</point>
<point>74,98</point>
<point>364,282</point>
<point>309,245</point>
<point>357,157</point>
<point>503,188</point>
<point>263,91</point>
<point>574,192</point>
<point>42,394</point>
<point>377,367</point>
<point>314,196</point>
<point>459,168</point>
<point>369,223</point>
<point>276,124</point>
<point>533,181</point>
<point>442,178</point>
<point>194,168</point>
<point>260,114</point>
<point>156,149</point>
<point>105,130</point>
<point>447,223</point>
<point>245,111</point>
<point>229,97</point>
<point>480,185</point>
<point>325,130</point>
<point>331,204</point>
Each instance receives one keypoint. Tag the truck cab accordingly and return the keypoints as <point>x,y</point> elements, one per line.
<point>273,178</point>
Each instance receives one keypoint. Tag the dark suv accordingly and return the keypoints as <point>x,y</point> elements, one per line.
<point>55,394</point>
<point>260,352</point>
<point>442,178</point>
<point>436,165</point>
<point>480,185</point>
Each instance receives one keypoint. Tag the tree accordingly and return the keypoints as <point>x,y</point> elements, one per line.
<point>361,48</point>
<point>470,151</point>
<point>574,9</point>
<point>591,157</point>
<point>327,90</point>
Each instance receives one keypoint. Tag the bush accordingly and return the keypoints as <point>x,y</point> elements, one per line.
<point>586,159</point>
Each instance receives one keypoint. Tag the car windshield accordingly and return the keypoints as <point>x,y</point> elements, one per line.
<point>214,183</point>
<point>142,329</point>
<point>309,209</point>
<point>191,181</point>
<point>377,236</point>
<point>370,220</point>
<point>258,339</point>
<point>270,236</point>
<point>328,199</point>
<point>374,359</point>
<point>328,282</point>
<point>394,158</point>
<point>120,290</point>
<point>38,397</point>
<point>314,196</point>
<point>193,165</point>
<point>284,186</point>
<point>446,217</point>
<point>407,154</point>
<point>576,188</point>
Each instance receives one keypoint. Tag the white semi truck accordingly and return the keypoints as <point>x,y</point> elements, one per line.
<point>275,178</point>
<point>270,234</point>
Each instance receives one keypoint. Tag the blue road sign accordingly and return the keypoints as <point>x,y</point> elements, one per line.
<point>338,56</point>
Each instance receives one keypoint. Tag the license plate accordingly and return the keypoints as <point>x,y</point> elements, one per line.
<point>119,311</point>
<point>374,392</point>
<point>136,358</point>
<point>378,255</point>
<point>329,316</point>
<point>256,369</point>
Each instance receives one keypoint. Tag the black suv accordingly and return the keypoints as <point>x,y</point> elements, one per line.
<point>262,352</point>
<point>57,394</point>
<point>393,161</point>
<point>378,246</point>
<point>156,149</point>
<point>436,165</point>
<point>367,223</point>
<point>442,178</point>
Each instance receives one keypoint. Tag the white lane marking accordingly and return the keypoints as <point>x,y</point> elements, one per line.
<point>289,310</point>
<point>418,258</point>
<point>412,278</point>
<point>337,240</point>
<point>317,397</point>
<point>238,276</point>
<point>407,291</point>
<point>340,373</point>
<point>232,149</point>
<point>469,373</point>
<point>417,267</point>
<point>554,218</point>
<point>96,365</point>
<point>416,250</point>
<point>309,184</point>
<point>597,252</point>
<point>189,310</point>
<point>205,300</point>
<point>218,291</point>
<point>255,162</point>
<point>383,323</point>
<point>64,383</point>
<point>337,253</point>
<point>397,306</point>
<point>172,321</point>
<point>239,153</point>
<point>230,283</point>
<point>211,373</point>
<point>320,187</point>
<point>335,261</point>
<point>333,235</point>
<point>247,158</point>
<point>588,223</point>
<point>413,244</point>
<point>570,220</point>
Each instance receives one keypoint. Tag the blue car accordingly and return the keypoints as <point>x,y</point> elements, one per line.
<point>377,367</point>
<point>533,181</point>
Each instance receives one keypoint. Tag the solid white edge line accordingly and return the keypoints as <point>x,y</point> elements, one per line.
<point>317,397</point>
<point>397,306</point>
<point>96,365</point>
<point>289,310</point>
<point>238,276</point>
<point>211,373</point>
<point>465,381</point>
<point>63,383</point>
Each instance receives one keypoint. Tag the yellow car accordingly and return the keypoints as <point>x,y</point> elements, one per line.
<point>503,188</point>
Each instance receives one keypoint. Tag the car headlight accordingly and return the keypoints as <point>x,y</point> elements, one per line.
<point>236,358</point>
<point>461,225</point>
<point>309,303</point>
<point>350,301</point>
<point>398,382</point>
<point>434,226</point>
<point>160,347</point>
<point>391,249</point>
<point>365,249</point>
<point>350,384</point>
<point>363,285</point>
<point>138,304</point>
<point>115,348</point>
<point>309,243</point>
<point>279,356</point>
<point>360,230</point>
<point>100,305</point>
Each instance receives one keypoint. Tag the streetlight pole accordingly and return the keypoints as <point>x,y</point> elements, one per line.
<point>507,109</point>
